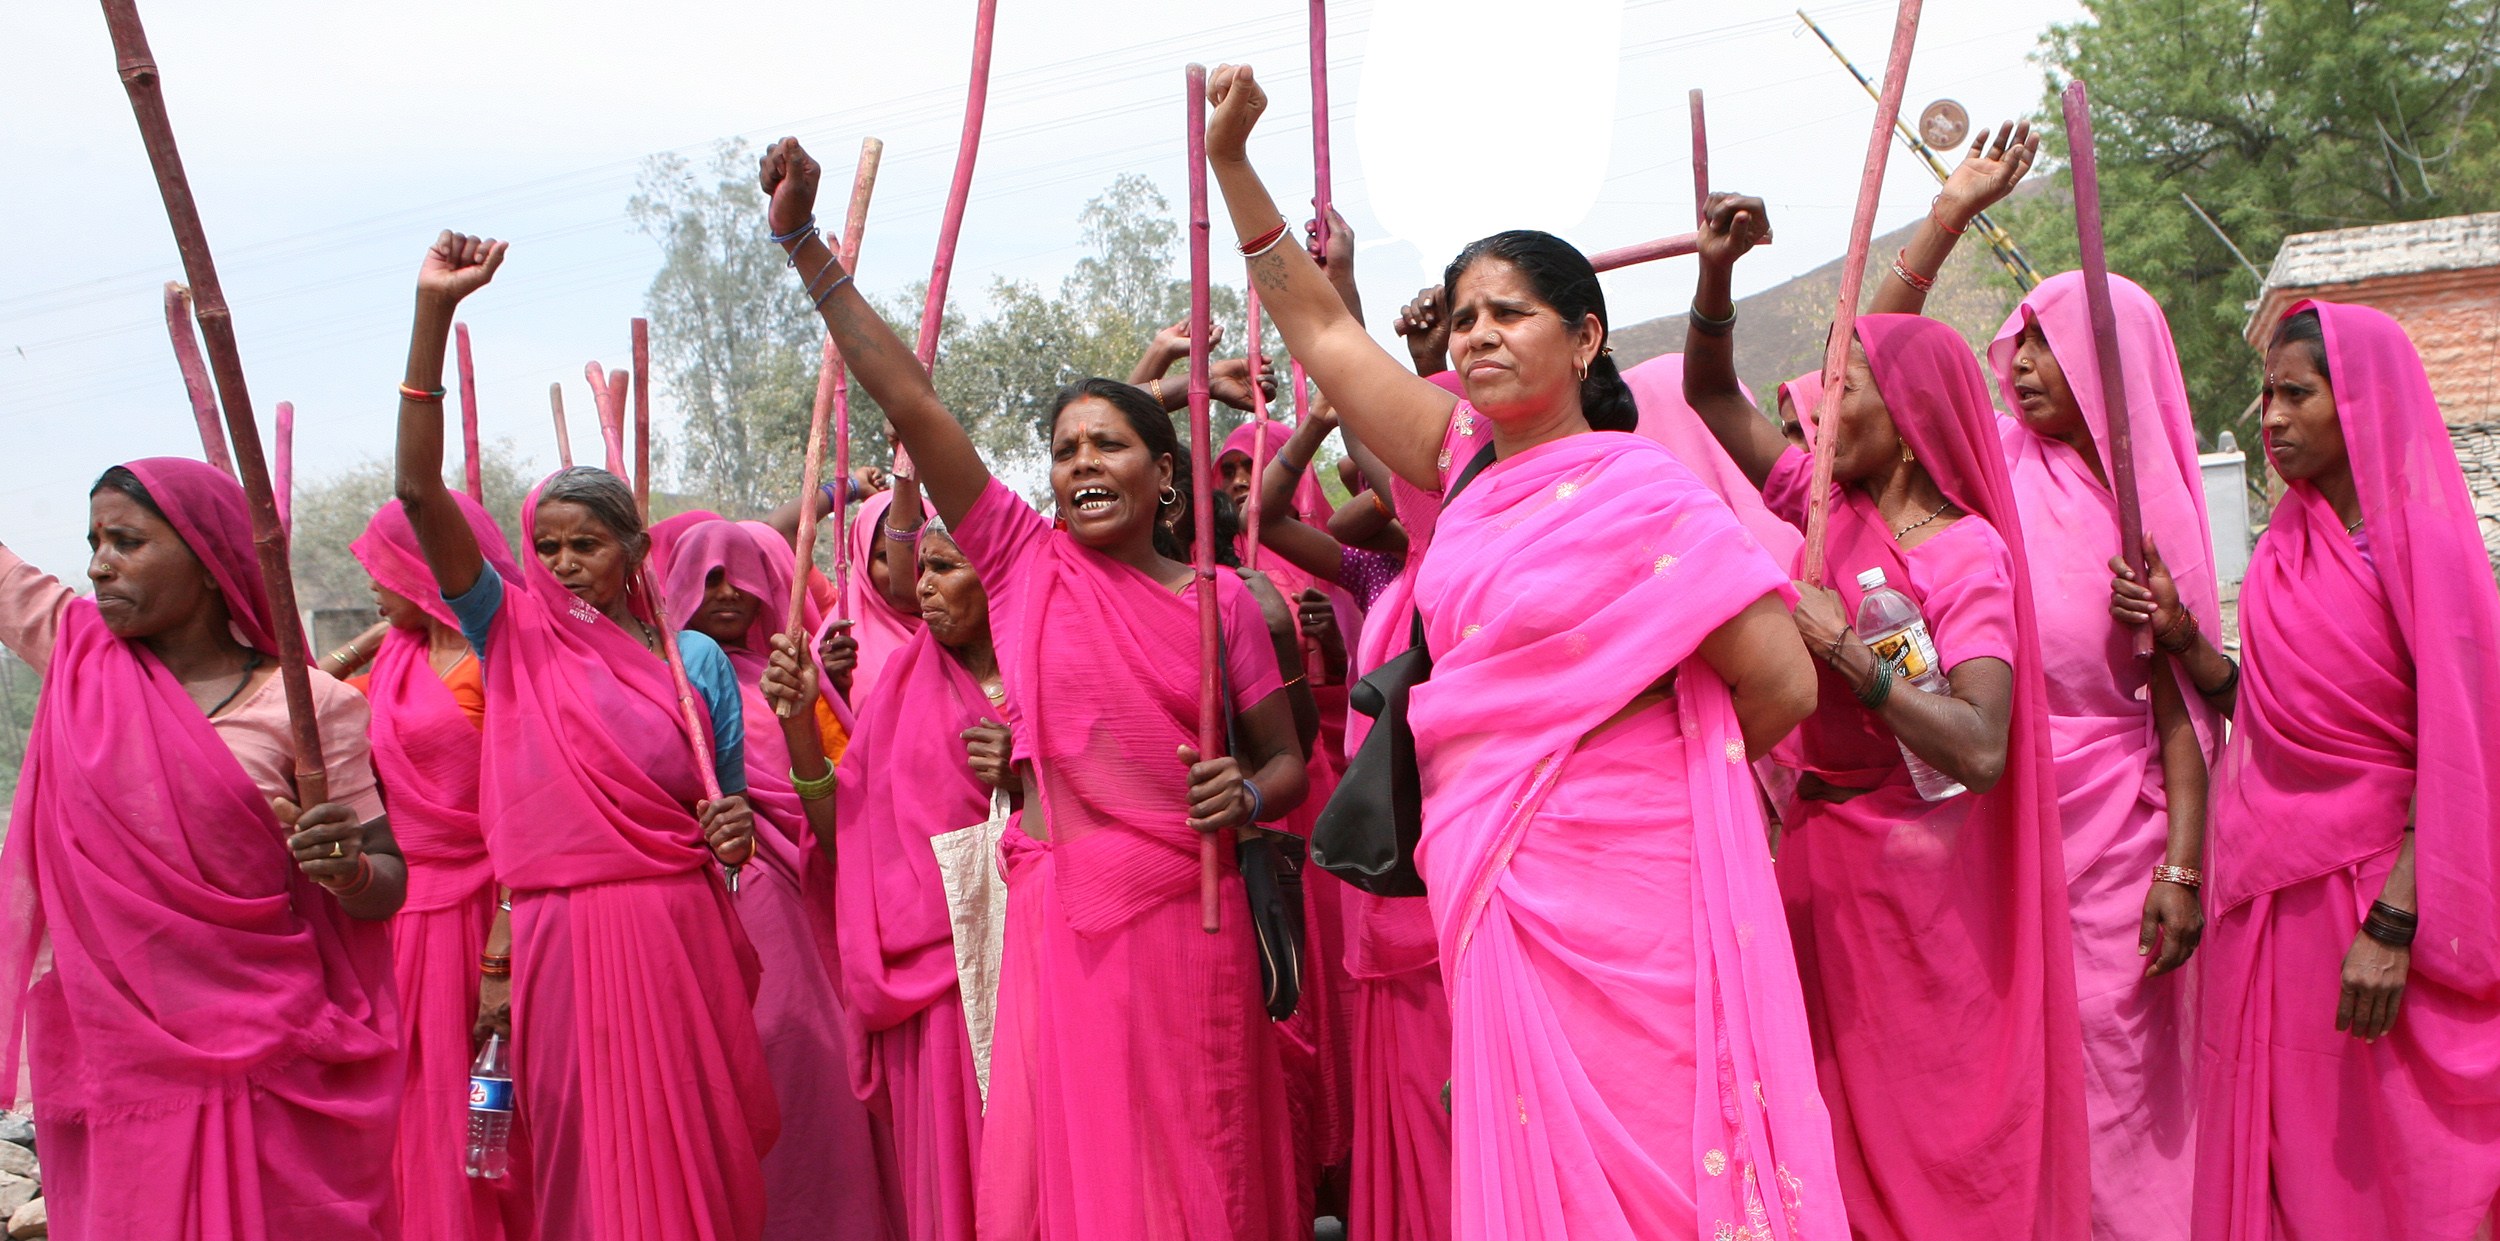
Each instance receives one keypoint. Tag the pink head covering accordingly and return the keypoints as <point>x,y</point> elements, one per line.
<point>2324,719</point>
<point>666,531</point>
<point>1802,393</point>
<point>1245,436</point>
<point>589,774</point>
<point>2170,486</point>
<point>139,841</point>
<point>425,750</point>
<point>880,628</point>
<point>207,508</point>
<point>1658,388</point>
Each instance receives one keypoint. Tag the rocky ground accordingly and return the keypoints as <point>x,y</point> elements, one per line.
<point>21,1178</point>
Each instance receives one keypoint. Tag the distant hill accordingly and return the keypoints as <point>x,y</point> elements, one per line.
<point>1782,327</point>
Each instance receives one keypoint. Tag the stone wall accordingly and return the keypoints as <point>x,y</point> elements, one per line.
<point>2478,450</point>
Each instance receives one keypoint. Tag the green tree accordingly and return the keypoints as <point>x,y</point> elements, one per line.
<point>2276,118</point>
<point>329,514</point>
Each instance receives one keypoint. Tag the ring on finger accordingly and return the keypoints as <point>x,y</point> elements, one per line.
<point>338,848</point>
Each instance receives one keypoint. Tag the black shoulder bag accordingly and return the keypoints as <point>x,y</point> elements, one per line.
<point>1366,834</point>
<point>1271,874</point>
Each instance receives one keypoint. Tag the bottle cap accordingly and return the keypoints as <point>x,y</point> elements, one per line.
<point>1870,579</point>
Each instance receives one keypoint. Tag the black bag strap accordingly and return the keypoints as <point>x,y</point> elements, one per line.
<point>1475,466</point>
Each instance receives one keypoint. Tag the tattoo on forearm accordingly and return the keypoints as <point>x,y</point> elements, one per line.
<point>1270,269</point>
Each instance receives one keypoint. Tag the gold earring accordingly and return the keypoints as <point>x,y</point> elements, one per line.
<point>1908,457</point>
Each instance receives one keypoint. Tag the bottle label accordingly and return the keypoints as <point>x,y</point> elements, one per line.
<point>490,1094</point>
<point>1909,652</point>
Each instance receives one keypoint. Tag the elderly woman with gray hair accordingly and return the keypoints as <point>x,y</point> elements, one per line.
<point>632,984</point>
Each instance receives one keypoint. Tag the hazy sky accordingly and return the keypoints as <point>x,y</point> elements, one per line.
<point>328,142</point>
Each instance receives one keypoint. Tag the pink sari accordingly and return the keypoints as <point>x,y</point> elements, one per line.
<point>1932,939</point>
<point>640,1075</point>
<point>1607,1085</point>
<point>905,780</point>
<point>2138,1034</point>
<point>2369,678</point>
<point>879,626</point>
<point>1658,388</point>
<point>1134,1084</point>
<point>426,751</point>
<point>212,1040</point>
<point>832,1170</point>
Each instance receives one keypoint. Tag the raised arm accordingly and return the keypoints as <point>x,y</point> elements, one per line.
<point>949,465</point>
<point>1988,173</point>
<point>1731,225</point>
<point>455,266</point>
<point>1400,415</point>
<point>1283,531</point>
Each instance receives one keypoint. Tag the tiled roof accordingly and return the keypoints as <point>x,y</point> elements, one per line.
<point>2346,255</point>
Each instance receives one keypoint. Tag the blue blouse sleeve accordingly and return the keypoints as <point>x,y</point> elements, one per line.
<point>708,670</point>
<point>476,609</point>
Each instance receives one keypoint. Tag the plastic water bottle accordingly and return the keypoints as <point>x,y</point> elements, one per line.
<point>490,1111</point>
<point>1892,627</point>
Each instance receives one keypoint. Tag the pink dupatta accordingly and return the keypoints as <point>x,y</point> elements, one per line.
<point>880,627</point>
<point>190,962</point>
<point>1567,579</point>
<point>1658,388</point>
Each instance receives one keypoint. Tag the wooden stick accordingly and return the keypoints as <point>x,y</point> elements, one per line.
<point>687,712</point>
<point>1852,275</point>
<point>564,438</point>
<point>1250,513</point>
<point>832,392</point>
<point>2085,164</point>
<point>147,102</point>
<point>951,226</point>
<point>1202,483</point>
<point>195,377</point>
<point>1701,160</point>
<point>1323,191</point>
<point>642,418</point>
<point>282,473</point>
<point>474,470</point>
<point>1664,248</point>
<point>607,395</point>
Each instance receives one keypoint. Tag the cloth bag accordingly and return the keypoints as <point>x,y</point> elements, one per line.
<point>976,905</point>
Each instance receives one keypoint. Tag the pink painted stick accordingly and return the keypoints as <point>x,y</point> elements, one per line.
<point>1258,437</point>
<point>1663,248</point>
<point>476,476</point>
<point>832,407</point>
<point>608,397</point>
<point>1323,192</point>
<point>1853,275</point>
<point>195,377</point>
<point>690,715</point>
<point>1202,483</point>
<point>1701,159</point>
<point>951,226</point>
<point>564,437</point>
<point>642,418</point>
<point>2085,164</point>
<point>282,470</point>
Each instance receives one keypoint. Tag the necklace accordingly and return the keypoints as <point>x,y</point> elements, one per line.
<point>1904,532</point>
<point>251,664</point>
<point>2354,527</point>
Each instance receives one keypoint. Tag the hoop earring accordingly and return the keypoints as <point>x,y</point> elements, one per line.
<point>1171,494</point>
<point>1584,372</point>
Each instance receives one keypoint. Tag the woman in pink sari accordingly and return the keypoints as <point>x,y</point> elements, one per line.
<point>2350,1081</point>
<point>638,1071</point>
<point>832,1170</point>
<point>1134,1085</point>
<point>1608,644</point>
<point>1932,935</point>
<point>201,976</point>
<point>429,714</point>
<point>879,622</point>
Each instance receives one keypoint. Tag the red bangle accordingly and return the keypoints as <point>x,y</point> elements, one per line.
<point>1901,268</point>
<point>1938,201</point>
<point>364,879</point>
<point>1266,241</point>
<point>422,396</point>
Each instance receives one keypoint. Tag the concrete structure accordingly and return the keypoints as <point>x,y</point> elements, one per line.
<point>2441,280</point>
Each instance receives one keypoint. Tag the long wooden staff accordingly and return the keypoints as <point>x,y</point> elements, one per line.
<point>195,377</point>
<point>2085,163</point>
<point>1202,483</point>
<point>1852,275</point>
<point>1258,437</point>
<point>1323,198</point>
<point>564,437</point>
<point>832,400</point>
<point>1701,160</point>
<point>147,102</point>
<point>1664,248</point>
<point>282,473</point>
<point>607,395</point>
<point>473,469</point>
<point>967,150</point>
<point>642,417</point>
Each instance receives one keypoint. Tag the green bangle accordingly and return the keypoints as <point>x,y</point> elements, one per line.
<point>817,789</point>
<point>1876,690</point>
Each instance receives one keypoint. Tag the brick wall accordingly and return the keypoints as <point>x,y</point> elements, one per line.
<point>2454,320</point>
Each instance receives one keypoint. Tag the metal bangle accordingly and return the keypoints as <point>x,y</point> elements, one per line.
<point>1708,326</point>
<point>1258,804</point>
<point>797,234</point>
<point>2185,876</point>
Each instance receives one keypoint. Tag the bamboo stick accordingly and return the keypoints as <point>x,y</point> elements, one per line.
<point>2092,245</point>
<point>687,712</point>
<point>642,418</point>
<point>473,470</point>
<point>142,82</point>
<point>282,473</point>
<point>1323,200</point>
<point>607,396</point>
<point>1202,484</point>
<point>1250,514</point>
<point>195,377</point>
<point>1852,275</point>
<point>959,193</point>
<point>1701,159</point>
<point>832,390</point>
<point>564,437</point>
<point>1664,248</point>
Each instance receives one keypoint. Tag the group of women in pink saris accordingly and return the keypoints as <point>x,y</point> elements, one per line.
<point>889,926</point>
